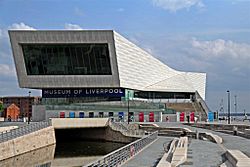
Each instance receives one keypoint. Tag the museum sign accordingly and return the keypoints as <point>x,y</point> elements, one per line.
<point>83,92</point>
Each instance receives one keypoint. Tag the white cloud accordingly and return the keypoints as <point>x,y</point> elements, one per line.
<point>222,48</point>
<point>15,26</point>
<point>7,70</point>
<point>3,33</point>
<point>69,26</point>
<point>224,61</point>
<point>174,5</point>
<point>21,26</point>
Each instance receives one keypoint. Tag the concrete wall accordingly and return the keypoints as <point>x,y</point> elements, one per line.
<point>33,158</point>
<point>97,134</point>
<point>63,37</point>
<point>116,136</point>
<point>26,143</point>
<point>69,123</point>
<point>38,113</point>
<point>87,129</point>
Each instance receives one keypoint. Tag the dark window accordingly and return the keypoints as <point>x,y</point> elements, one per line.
<point>91,114</point>
<point>67,59</point>
<point>111,114</point>
<point>101,114</point>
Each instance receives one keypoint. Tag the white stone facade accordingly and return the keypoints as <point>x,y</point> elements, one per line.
<point>131,66</point>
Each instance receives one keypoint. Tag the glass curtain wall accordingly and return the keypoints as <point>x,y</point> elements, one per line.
<point>67,59</point>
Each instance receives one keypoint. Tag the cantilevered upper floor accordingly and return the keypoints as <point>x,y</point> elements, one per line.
<point>93,59</point>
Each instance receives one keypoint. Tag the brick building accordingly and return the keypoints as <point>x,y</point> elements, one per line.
<point>12,112</point>
<point>23,102</point>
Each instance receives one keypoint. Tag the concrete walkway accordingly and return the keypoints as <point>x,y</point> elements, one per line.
<point>229,141</point>
<point>150,156</point>
<point>200,153</point>
<point>203,154</point>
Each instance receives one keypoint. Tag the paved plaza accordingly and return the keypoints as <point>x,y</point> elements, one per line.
<point>151,155</point>
<point>200,153</point>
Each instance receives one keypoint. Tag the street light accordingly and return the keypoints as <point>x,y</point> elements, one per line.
<point>28,110</point>
<point>228,114</point>
<point>128,107</point>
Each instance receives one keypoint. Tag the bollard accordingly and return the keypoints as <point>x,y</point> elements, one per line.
<point>235,129</point>
<point>197,134</point>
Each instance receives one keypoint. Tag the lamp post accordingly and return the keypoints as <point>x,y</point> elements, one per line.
<point>228,114</point>
<point>128,107</point>
<point>28,110</point>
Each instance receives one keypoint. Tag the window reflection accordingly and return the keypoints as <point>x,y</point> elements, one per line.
<point>67,59</point>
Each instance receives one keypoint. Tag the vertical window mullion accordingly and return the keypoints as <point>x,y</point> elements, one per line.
<point>70,57</point>
<point>83,61</point>
<point>41,58</point>
<point>94,55</point>
<point>90,68</point>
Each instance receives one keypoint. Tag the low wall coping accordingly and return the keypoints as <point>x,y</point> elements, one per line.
<point>237,158</point>
<point>68,123</point>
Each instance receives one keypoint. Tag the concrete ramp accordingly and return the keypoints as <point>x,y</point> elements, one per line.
<point>177,153</point>
<point>236,158</point>
<point>69,123</point>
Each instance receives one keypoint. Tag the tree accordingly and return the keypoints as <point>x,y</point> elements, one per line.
<point>1,107</point>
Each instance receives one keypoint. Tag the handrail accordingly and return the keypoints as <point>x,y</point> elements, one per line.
<point>121,155</point>
<point>203,104</point>
<point>124,129</point>
<point>14,133</point>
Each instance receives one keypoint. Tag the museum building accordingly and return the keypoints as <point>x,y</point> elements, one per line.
<point>95,65</point>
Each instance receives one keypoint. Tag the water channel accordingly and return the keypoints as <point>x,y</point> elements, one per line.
<point>64,153</point>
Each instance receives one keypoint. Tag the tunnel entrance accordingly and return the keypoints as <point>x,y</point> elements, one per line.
<point>80,134</point>
<point>82,144</point>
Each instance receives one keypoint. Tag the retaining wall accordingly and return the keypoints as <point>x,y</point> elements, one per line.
<point>98,134</point>
<point>27,143</point>
<point>37,157</point>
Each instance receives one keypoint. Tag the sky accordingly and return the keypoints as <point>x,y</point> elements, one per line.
<point>211,36</point>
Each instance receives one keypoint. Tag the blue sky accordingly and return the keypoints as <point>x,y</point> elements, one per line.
<point>211,36</point>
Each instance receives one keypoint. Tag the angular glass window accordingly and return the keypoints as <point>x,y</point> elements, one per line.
<point>67,59</point>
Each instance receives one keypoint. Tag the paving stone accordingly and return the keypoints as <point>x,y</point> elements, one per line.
<point>150,156</point>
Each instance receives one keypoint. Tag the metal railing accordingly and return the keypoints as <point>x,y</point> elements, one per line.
<point>23,130</point>
<point>202,103</point>
<point>121,155</point>
<point>121,127</point>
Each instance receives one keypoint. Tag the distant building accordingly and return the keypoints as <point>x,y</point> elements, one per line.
<point>23,102</point>
<point>12,112</point>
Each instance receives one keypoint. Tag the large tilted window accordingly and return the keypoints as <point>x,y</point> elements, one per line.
<point>67,59</point>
